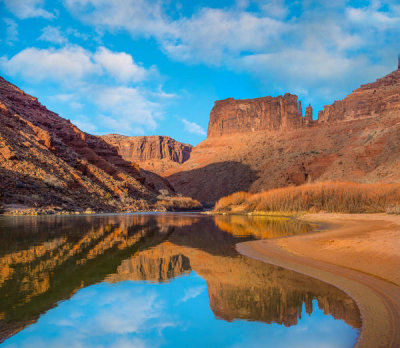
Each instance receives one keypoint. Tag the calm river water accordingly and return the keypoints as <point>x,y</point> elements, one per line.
<point>160,280</point>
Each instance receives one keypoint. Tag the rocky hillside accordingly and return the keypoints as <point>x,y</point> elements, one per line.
<point>263,143</point>
<point>47,162</point>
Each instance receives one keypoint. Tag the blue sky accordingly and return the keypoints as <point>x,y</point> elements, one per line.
<point>141,67</point>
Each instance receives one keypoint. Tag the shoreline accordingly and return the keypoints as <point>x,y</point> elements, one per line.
<point>89,212</point>
<point>340,254</point>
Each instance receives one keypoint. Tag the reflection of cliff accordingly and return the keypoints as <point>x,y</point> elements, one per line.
<point>149,265</point>
<point>261,227</point>
<point>44,260</point>
<point>276,297</point>
<point>239,287</point>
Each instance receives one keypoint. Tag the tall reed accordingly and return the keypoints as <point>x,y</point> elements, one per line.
<point>345,197</point>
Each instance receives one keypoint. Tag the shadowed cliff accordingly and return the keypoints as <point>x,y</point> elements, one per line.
<point>207,184</point>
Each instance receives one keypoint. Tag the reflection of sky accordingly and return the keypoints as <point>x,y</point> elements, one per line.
<point>177,313</point>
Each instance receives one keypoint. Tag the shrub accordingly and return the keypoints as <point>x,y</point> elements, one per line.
<point>178,204</point>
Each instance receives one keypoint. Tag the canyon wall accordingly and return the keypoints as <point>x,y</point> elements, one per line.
<point>145,148</point>
<point>231,116</point>
<point>372,99</point>
<point>252,145</point>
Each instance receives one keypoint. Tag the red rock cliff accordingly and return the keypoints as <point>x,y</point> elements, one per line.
<point>369,100</point>
<point>231,116</point>
<point>248,115</point>
<point>144,148</point>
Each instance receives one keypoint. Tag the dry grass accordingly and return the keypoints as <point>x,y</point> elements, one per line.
<point>344,197</point>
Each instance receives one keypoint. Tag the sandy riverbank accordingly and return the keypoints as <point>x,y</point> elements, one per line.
<point>359,254</point>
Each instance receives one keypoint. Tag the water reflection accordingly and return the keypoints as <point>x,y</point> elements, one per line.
<point>47,259</point>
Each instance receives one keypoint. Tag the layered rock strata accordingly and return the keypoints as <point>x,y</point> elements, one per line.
<point>248,115</point>
<point>370,100</point>
<point>148,148</point>
<point>231,116</point>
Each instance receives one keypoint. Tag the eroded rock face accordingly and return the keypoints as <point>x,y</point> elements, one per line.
<point>249,115</point>
<point>372,99</point>
<point>47,161</point>
<point>231,116</point>
<point>145,148</point>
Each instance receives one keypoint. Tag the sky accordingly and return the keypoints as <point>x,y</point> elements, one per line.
<point>152,67</point>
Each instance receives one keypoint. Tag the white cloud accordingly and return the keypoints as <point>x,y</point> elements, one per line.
<point>53,35</point>
<point>208,36</point>
<point>267,39</point>
<point>193,292</point>
<point>71,62</point>
<point>85,124</point>
<point>126,109</point>
<point>213,34</point>
<point>372,15</point>
<point>273,8</point>
<point>27,8</point>
<point>140,17</point>
<point>11,31</point>
<point>120,65</point>
<point>84,79</point>
<point>64,97</point>
<point>193,127</point>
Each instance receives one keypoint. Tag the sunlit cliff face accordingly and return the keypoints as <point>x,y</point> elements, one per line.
<point>47,259</point>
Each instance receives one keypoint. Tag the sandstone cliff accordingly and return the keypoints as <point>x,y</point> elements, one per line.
<point>285,112</point>
<point>249,115</point>
<point>370,100</point>
<point>149,148</point>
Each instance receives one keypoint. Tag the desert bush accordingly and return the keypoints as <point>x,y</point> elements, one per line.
<point>346,197</point>
<point>235,201</point>
<point>175,203</point>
